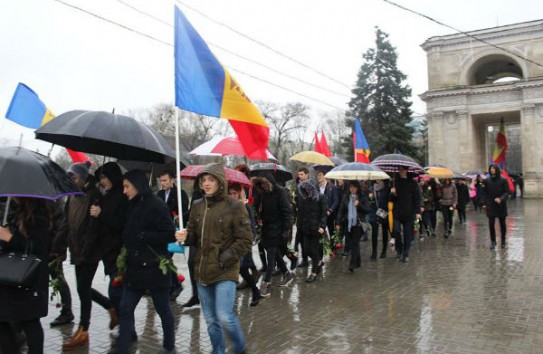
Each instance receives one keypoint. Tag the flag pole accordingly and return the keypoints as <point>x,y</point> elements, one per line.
<point>177,168</point>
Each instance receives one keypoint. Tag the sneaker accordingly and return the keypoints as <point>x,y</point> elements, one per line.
<point>193,301</point>
<point>265,289</point>
<point>311,278</point>
<point>288,277</point>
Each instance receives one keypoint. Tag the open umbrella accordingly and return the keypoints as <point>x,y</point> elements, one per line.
<point>232,176</point>
<point>26,173</point>
<point>106,134</point>
<point>219,146</point>
<point>391,163</point>
<point>280,172</point>
<point>457,175</point>
<point>357,171</point>
<point>438,172</point>
<point>338,160</point>
<point>312,157</point>
<point>475,173</point>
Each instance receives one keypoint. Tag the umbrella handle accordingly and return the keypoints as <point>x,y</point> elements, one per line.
<point>6,211</point>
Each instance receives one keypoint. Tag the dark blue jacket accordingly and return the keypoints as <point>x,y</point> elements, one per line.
<point>332,197</point>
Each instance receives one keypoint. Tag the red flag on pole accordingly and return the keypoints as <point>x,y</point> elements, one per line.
<point>318,146</point>
<point>324,146</point>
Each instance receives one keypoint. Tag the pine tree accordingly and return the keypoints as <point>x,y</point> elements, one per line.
<point>381,100</point>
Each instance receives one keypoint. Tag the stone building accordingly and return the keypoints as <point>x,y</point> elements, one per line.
<point>474,81</point>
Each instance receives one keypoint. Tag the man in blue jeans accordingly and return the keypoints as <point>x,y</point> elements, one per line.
<point>219,229</point>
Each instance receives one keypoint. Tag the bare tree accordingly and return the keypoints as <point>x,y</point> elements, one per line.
<point>287,123</point>
<point>335,129</point>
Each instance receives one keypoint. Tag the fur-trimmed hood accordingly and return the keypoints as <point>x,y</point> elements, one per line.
<point>307,189</point>
<point>262,184</point>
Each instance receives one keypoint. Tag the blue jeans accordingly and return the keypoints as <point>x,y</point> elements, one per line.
<point>129,301</point>
<point>217,301</point>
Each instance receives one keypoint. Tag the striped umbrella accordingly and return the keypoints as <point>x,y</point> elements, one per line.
<point>391,163</point>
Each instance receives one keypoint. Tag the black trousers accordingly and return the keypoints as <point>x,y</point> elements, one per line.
<point>447,217</point>
<point>274,257</point>
<point>403,233</point>
<point>65,294</point>
<point>300,241</point>
<point>375,236</point>
<point>10,336</point>
<point>492,228</point>
<point>313,248</point>
<point>84,274</point>
<point>461,212</point>
<point>354,236</point>
<point>192,255</point>
<point>246,264</point>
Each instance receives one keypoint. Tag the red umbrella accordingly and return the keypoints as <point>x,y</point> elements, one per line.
<point>219,146</point>
<point>232,176</point>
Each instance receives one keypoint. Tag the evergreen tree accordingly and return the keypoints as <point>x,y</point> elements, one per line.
<point>381,102</point>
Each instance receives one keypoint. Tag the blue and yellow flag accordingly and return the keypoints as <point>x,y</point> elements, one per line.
<point>27,109</point>
<point>361,148</point>
<point>204,86</point>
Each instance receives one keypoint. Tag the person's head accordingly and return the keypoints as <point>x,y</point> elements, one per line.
<point>402,171</point>
<point>308,189</point>
<point>79,173</point>
<point>340,182</point>
<point>320,177</point>
<point>235,191</point>
<point>167,179</point>
<point>27,208</point>
<point>135,183</point>
<point>354,187</point>
<point>212,180</point>
<point>109,175</point>
<point>494,170</point>
<point>243,168</point>
<point>447,181</point>
<point>303,173</point>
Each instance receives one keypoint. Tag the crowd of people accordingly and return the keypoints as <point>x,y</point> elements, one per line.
<point>119,221</point>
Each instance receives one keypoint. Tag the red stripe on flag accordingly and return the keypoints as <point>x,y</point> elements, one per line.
<point>253,138</point>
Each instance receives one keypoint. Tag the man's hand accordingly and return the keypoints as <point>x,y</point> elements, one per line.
<point>338,227</point>
<point>393,190</point>
<point>5,234</point>
<point>181,236</point>
<point>498,200</point>
<point>95,211</point>
<point>321,230</point>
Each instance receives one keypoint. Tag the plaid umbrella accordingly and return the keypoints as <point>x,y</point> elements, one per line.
<point>391,163</point>
<point>232,176</point>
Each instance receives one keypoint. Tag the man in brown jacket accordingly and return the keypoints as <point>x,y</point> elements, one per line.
<point>219,228</point>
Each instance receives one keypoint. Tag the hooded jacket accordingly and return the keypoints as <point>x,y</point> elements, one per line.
<point>312,207</point>
<point>148,230</point>
<point>272,207</point>
<point>220,230</point>
<point>112,217</point>
<point>495,186</point>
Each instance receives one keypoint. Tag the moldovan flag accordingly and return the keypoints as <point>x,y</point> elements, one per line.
<point>204,86</point>
<point>28,110</point>
<point>501,146</point>
<point>361,148</point>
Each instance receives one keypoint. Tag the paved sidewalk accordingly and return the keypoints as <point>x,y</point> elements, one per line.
<point>454,296</point>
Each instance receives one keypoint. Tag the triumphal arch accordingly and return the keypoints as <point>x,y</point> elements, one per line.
<point>475,81</point>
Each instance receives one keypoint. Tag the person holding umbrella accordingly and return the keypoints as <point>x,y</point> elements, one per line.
<point>407,199</point>
<point>31,223</point>
<point>448,202</point>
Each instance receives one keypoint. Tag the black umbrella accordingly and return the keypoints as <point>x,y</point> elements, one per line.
<point>391,163</point>
<point>25,173</point>
<point>107,134</point>
<point>280,172</point>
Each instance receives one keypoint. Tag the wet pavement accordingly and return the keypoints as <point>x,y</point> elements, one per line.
<point>454,296</point>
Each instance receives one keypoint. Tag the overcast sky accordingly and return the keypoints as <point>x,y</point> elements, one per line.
<point>76,61</point>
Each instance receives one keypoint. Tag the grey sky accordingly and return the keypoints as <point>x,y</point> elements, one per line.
<point>76,61</point>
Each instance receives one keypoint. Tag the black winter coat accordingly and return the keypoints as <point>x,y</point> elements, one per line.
<point>111,223</point>
<point>496,187</point>
<point>27,304</point>
<point>407,200</point>
<point>463,194</point>
<point>148,230</point>
<point>312,214</point>
<point>273,208</point>
<point>172,202</point>
<point>379,201</point>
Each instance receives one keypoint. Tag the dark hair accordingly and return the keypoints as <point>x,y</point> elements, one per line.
<point>27,208</point>
<point>243,168</point>
<point>235,186</point>
<point>304,170</point>
<point>168,172</point>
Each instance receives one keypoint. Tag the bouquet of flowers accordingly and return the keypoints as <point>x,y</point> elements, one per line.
<point>56,283</point>
<point>337,238</point>
<point>325,242</point>
<point>121,268</point>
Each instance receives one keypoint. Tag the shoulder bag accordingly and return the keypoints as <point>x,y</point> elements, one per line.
<point>19,269</point>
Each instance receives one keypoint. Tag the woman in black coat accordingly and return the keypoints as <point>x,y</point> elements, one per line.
<point>33,223</point>
<point>148,230</point>
<point>352,213</point>
<point>495,203</point>
<point>378,199</point>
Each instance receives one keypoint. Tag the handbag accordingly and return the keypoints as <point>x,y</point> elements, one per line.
<point>381,213</point>
<point>19,269</point>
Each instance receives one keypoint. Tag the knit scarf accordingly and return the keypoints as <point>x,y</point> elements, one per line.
<point>352,213</point>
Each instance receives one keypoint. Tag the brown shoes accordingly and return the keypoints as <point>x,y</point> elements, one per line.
<point>80,339</point>
<point>114,319</point>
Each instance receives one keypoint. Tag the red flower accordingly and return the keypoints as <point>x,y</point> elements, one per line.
<point>338,246</point>
<point>58,305</point>
<point>117,281</point>
<point>332,254</point>
<point>180,278</point>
